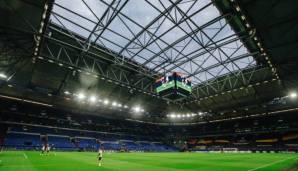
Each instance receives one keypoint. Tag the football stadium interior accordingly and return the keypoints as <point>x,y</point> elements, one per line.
<point>164,85</point>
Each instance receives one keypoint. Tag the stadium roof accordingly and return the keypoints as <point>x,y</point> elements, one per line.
<point>237,53</point>
<point>190,37</point>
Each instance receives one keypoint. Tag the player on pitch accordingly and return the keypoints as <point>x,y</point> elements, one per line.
<point>99,156</point>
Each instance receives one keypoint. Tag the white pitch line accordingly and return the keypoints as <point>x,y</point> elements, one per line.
<point>270,164</point>
<point>25,156</point>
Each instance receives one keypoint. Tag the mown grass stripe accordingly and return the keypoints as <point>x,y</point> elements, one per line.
<point>272,163</point>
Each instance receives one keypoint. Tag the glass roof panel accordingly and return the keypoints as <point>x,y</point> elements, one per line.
<point>124,27</point>
<point>140,11</point>
<point>184,36</point>
<point>109,44</point>
<point>117,38</point>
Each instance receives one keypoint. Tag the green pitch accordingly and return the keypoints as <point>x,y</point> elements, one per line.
<point>86,161</point>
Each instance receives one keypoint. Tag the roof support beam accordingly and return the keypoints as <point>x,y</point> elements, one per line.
<point>92,66</point>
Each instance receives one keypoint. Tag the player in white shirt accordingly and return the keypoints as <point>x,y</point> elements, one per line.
<point>99,156</point>
<point>45,149</point>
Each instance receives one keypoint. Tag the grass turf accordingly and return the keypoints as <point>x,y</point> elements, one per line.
<point>87,161</point>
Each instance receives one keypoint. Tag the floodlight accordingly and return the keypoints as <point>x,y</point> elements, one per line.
<point>3,75</point>
<point>125,106</point>
<point>106,102</point>
<point>114,104</point>
<point>81,96</point>
<point>119,105</point>
<point>137,109</point>
<point>293,95</point>
<point>92,99</point>
<point>66,92</point>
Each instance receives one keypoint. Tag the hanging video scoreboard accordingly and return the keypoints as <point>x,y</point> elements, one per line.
<point>173,87</point>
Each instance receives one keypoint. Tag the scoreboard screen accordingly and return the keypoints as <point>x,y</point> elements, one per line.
<point>173,86</point>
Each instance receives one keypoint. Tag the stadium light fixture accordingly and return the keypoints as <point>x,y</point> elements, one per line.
<point>114,104</point>
<point>119,105</point>
<point>66,92</point>
<point>81,96</point>
<point>187,115</point>
<point>238,8</point>
<point>243,17</point>
<point>293,95</point>
<point>137,109</point>
<point>3,76</point>
<point>106,102</point>
<point>43,16</point>
<point>92,99</point>
<point>125,106</point>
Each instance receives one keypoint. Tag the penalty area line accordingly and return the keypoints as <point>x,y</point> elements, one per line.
<point>270,164</point>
